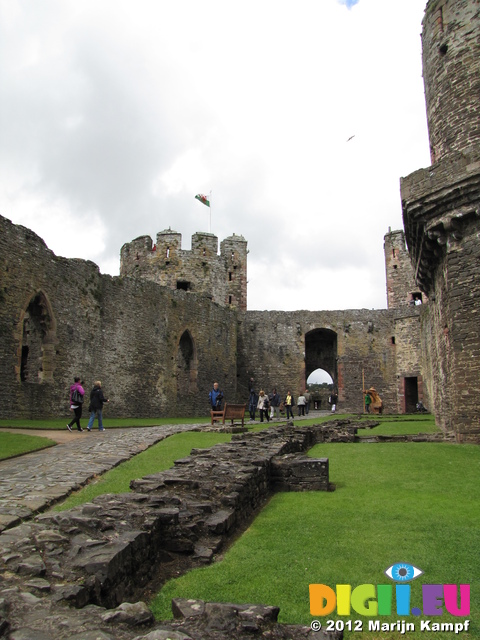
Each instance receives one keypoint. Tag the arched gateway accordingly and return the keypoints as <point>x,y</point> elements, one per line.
<point>321,352</point>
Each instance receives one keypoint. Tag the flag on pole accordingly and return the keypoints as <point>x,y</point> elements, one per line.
<point>203,199</point>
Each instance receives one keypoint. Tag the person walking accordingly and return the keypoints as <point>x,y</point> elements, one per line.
<point>333,400</point>
<point>301,402</point>
<point>275,401</point>
<point>307,397</point>
<point>252,400</point>
<point>77,394</point>
<point>97,400</point>
<point>262,405</point>
<point>288,402</point>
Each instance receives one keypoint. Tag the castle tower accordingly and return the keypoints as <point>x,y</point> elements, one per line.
<point>401,288</point>
<point>234,252</point>
<point>169,245</point>
<point>441,213</point>
<point>133,256</point>
<point>451,72</point>
<point>222,278</point>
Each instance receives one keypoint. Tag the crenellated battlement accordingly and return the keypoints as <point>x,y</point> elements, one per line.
<point>221,277</point>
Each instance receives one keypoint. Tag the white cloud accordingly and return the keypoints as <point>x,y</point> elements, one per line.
<point>117,113</point>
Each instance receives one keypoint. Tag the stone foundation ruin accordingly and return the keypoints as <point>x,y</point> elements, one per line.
<point>75,571</point>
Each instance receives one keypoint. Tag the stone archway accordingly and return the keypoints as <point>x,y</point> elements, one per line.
<point>186,365</point>
<point>321,352</point>
<point>37,331</point>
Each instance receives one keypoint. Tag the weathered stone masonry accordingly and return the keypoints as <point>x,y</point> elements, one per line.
<point>155,350</point>
<point>176,320</point>
<point>441,212</point>
<point>158,350</point>
<point>222,277</point>
<point>107,552</point>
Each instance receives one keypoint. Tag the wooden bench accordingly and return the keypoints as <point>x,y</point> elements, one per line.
<point>229,412</point>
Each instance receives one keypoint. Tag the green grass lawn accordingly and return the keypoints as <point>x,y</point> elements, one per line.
<point>395,502</point>
<point>400,425</point>
<point>16,444</point>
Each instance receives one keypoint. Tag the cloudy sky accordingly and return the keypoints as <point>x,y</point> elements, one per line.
<point>299,117</point>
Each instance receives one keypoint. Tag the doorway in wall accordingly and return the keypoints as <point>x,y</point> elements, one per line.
<point>411,394</point>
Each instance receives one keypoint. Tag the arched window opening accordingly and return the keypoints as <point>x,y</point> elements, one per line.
<point>186,365</point>
<point>37,341</point>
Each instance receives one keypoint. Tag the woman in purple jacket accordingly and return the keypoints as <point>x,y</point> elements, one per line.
<point>76,402</point>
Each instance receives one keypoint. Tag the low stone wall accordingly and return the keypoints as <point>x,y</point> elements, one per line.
<point>107,552</point>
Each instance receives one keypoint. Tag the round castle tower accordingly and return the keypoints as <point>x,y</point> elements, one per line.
<point>441,214</point>
<point>451,72</point>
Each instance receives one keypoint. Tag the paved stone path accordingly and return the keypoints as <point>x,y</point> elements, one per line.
<point>31,483</point>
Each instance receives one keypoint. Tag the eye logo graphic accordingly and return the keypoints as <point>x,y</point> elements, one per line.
<point>403,572</point>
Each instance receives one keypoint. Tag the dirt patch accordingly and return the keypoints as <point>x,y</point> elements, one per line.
<point>58,436</point>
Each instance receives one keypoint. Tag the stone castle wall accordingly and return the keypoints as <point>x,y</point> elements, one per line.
<point>272,350</point>
<point>402,289</point>
<point>451,72</point>
<point>155,352</point>
<point>158,353</point>
<point>441,212</point>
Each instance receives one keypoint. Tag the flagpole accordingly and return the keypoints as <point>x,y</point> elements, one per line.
<point>210,207</point>
<point>363,388</point>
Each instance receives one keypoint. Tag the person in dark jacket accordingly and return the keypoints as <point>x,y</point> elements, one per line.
<point>252,400</point>
<point>275,401</point>
<point>97,400</point>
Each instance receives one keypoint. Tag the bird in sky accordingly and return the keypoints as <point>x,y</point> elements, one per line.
<point>350,138</point>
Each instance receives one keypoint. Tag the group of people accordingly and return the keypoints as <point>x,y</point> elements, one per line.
<point>269,405</point>
<point>97,400</point>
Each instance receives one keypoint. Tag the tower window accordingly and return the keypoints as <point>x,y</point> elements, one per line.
<point>183,285</point>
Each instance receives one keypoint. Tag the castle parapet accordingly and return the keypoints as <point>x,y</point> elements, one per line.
<point>222,278</point>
